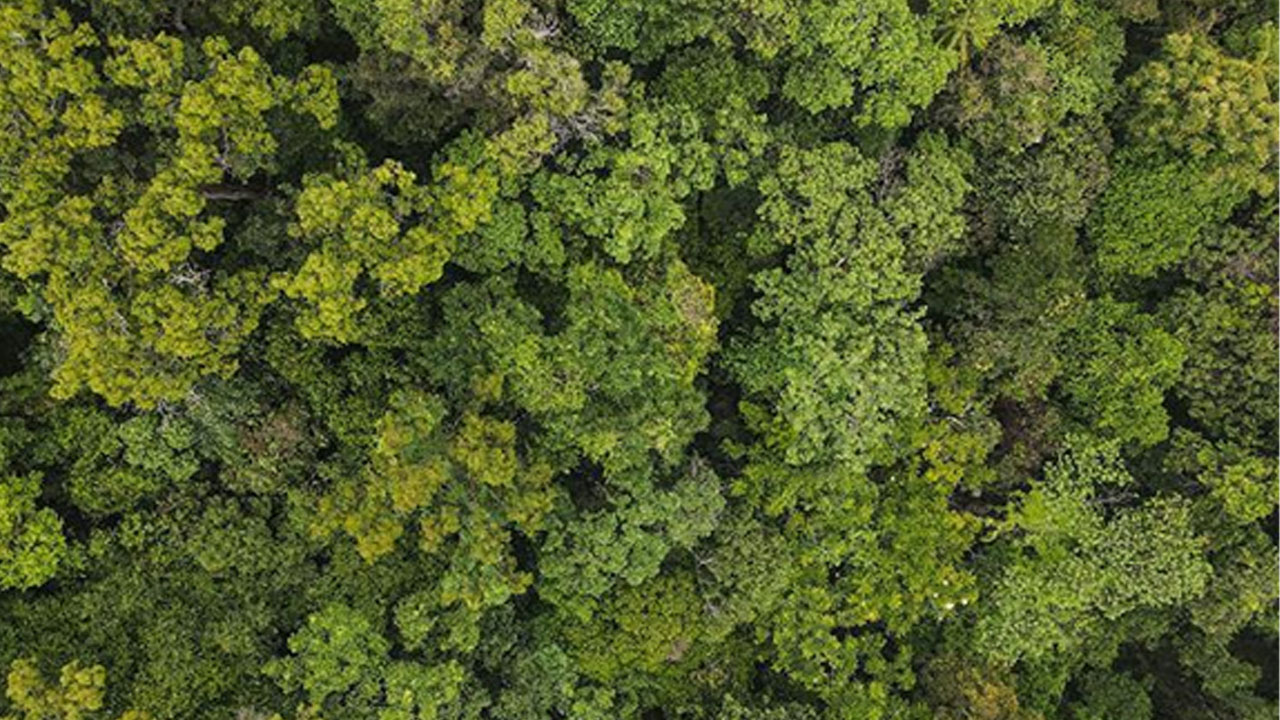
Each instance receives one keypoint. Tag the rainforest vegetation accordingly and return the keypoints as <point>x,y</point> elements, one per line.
<point>653,359</point>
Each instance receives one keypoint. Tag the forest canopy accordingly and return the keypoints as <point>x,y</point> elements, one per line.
<point>653,359</point>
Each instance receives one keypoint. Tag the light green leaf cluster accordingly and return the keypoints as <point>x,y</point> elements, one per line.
<point>33,544</point>
<point>1079,568</point>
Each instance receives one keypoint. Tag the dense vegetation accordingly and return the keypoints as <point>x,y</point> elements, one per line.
<point>658,359</point>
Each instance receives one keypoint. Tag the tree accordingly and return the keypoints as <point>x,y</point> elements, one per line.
<point>139,321</point>
<point>337,650</point>
<point>33,541</point>
<point>359,224</point>
<point>1199,125</point>
<point>78,692</point>
<point>833,337</point>
<point>1021,90</point>
<point>1123,365</point>
<point>1075,569</point>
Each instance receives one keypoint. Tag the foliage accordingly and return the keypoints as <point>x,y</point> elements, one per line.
<point>33,541</point>
<point>638,359</point>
